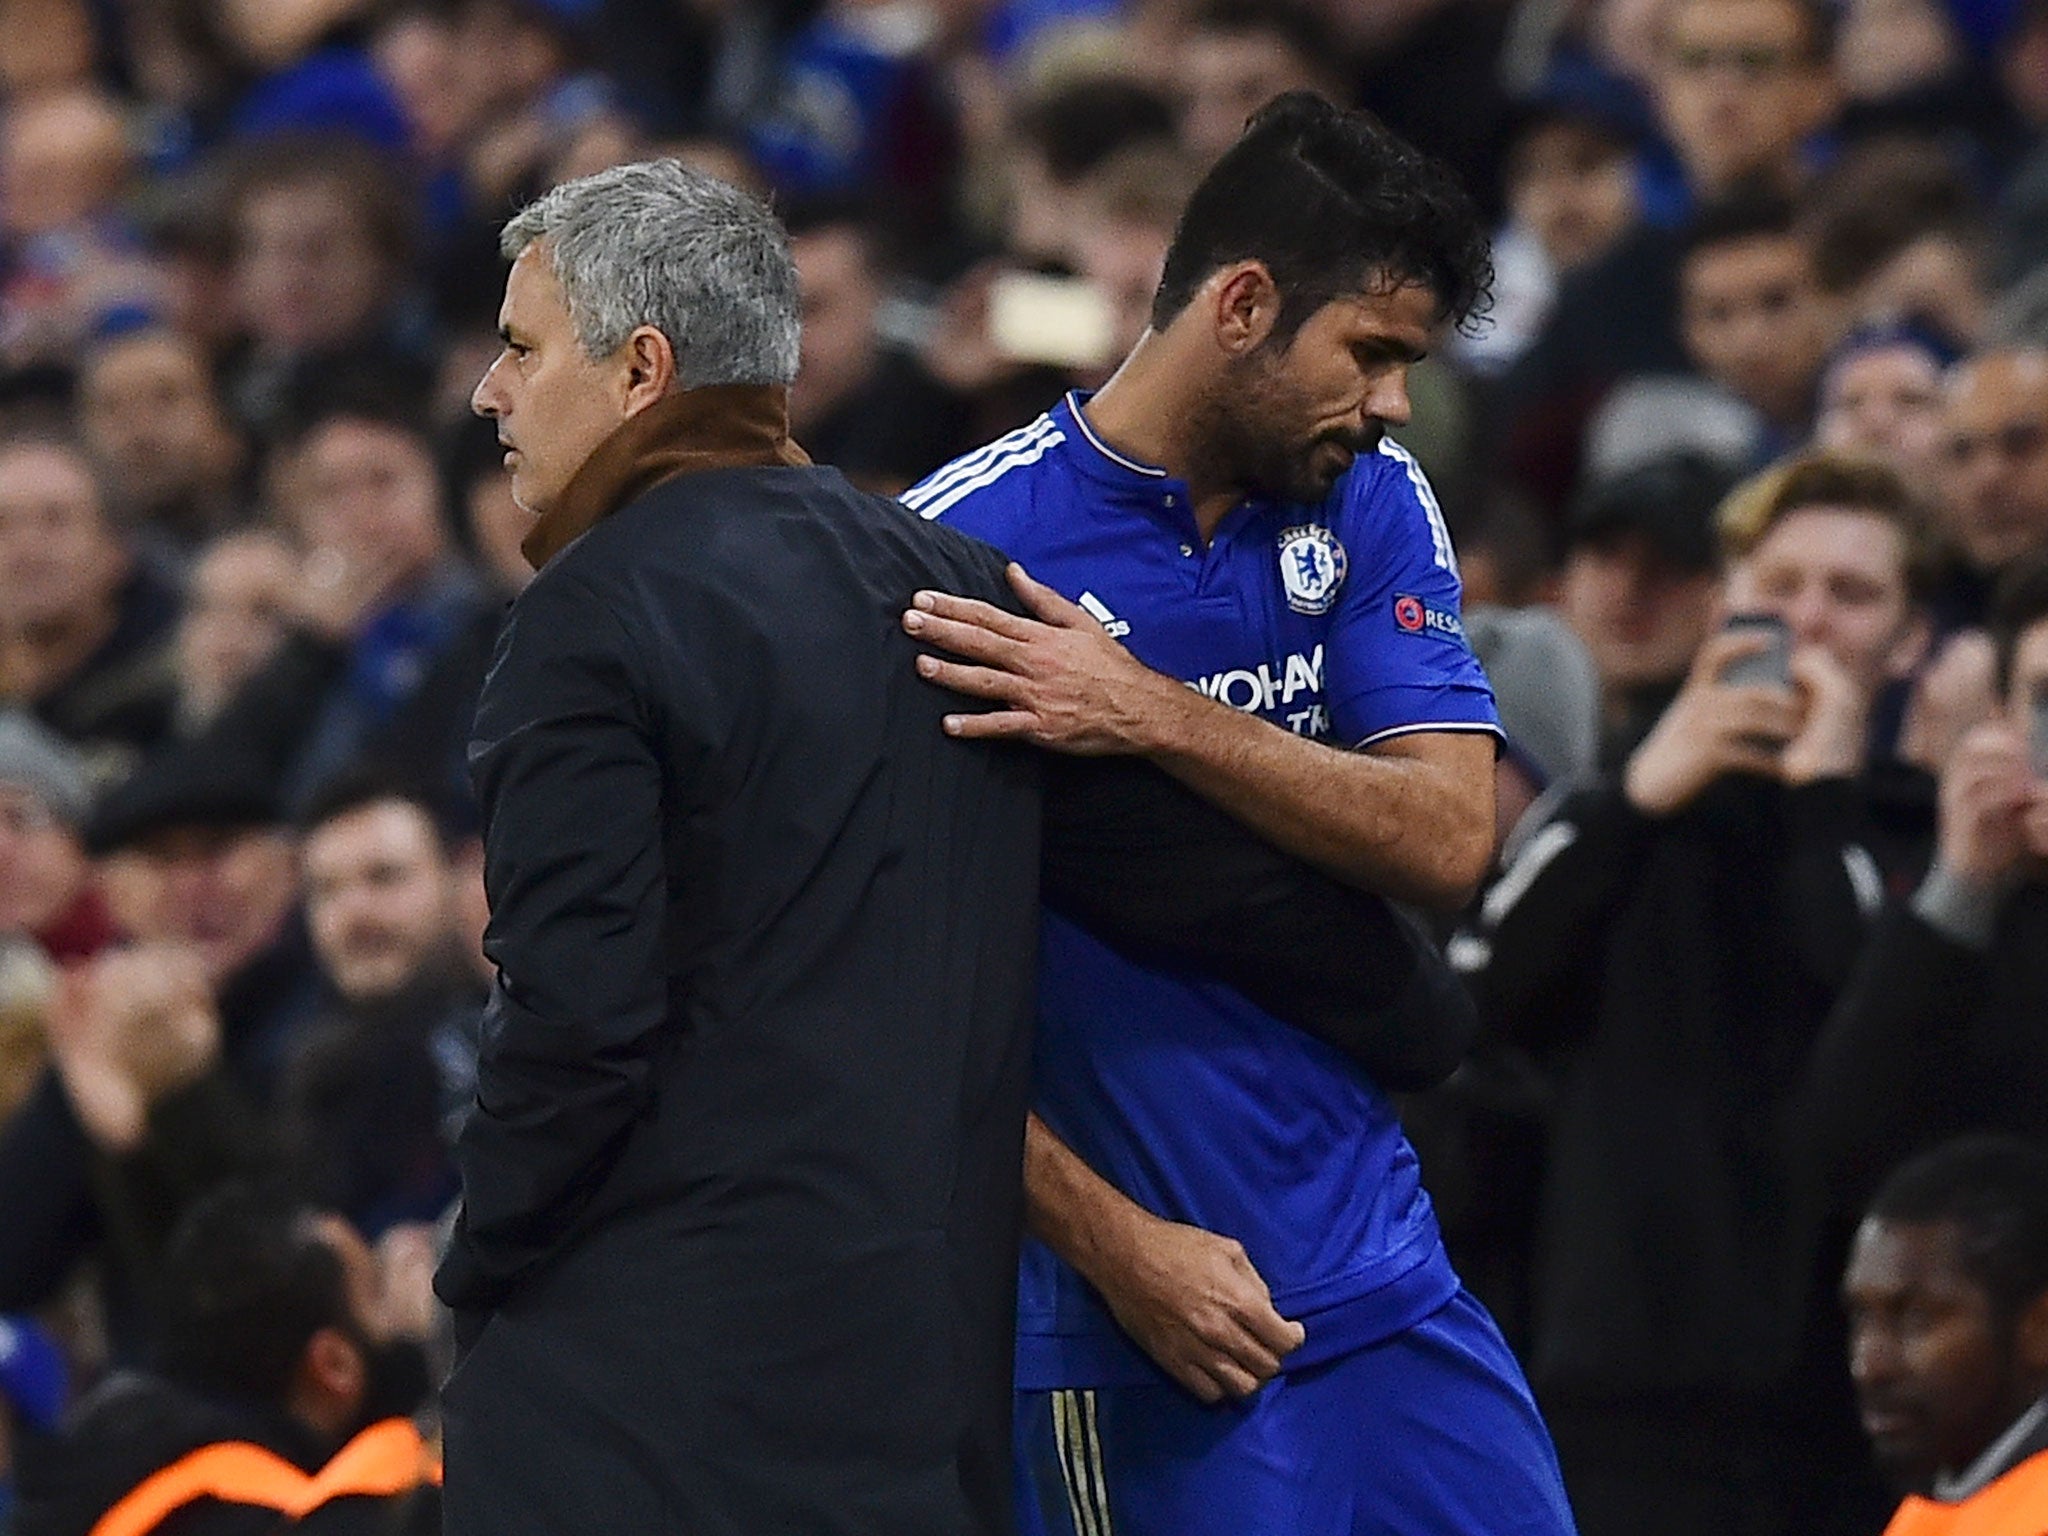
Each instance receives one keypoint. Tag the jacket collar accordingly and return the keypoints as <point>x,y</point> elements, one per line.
<point>721,426</point>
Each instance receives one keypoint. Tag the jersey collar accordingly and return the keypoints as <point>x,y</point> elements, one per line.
<point>1098,459</point>
<point>1155,487</point>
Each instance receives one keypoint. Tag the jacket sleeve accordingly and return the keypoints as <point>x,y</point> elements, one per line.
<point>1153,869</point>
<point>1541,924</point>
<point>570,785</point>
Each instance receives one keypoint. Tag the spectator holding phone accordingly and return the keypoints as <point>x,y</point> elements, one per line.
<point>1939,1030</point>
<point>1669,946</point>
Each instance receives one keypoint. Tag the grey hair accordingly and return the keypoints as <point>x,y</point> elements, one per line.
<point>659,243</point>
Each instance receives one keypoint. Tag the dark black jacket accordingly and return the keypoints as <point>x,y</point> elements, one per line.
<point>743,1188</point>
<point>1930,1039</point>
<point>1674,974</point>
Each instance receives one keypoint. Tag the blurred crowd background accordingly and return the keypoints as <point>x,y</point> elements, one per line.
<point>1770,333</point>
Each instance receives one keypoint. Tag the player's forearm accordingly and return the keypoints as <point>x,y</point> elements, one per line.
<point>1400,825</point>
<point>1072,1209</point>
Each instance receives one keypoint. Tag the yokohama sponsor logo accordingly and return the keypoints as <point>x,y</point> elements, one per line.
<point>1269,686</point>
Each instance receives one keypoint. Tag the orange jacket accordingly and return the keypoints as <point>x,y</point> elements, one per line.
<point>2014,1504</point>
<point>387,1459</point>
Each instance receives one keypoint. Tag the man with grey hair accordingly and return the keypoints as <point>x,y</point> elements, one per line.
<point>739,1184</point>
<point>742,1187</point>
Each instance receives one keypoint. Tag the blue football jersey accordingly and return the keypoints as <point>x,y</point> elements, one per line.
<point>1339,622</point>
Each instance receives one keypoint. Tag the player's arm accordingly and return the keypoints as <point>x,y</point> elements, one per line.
<point>1151,868</point>
<point>1190,1298</point>
<point>1410,817</point>
<point>570,786</point>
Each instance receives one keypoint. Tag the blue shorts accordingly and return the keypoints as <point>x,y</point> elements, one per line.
<point>1430,1432</point>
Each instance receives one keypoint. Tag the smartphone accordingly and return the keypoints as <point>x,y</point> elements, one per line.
<point>1770,667</point>
<point>1064,322</point>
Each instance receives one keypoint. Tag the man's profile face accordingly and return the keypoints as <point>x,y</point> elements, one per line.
<point>1934,1366</point>
<point>552,401</point>
<point>1995,458</point>
<point>379,898</point>
<point>1290,418</point>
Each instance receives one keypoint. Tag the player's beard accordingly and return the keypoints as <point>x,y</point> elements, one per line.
<point>1249,433</point>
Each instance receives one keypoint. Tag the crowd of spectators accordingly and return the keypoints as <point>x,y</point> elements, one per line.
<point>1769,336</point>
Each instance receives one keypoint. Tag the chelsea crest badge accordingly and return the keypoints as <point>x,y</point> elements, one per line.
<point>1312,566</point>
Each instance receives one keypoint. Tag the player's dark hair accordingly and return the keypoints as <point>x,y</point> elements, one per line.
<point>1333,204</point>
<point>2019,603</point>
<point>247,1280</point>
<point>1993,1190</point>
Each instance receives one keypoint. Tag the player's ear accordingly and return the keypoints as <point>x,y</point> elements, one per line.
<point>1245,303</point>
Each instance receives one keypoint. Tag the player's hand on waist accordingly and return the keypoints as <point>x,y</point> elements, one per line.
<point>1057,679</point>
<point>1193,1302</point>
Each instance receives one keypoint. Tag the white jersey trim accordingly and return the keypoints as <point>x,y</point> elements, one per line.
<point>1030,453</point>
<point>1088,432</point>
<point>1463,727</point>
<point>949,475</point>
<point>1439,530</point>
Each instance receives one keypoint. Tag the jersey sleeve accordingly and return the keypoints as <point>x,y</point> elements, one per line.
<point>1398,661</point>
